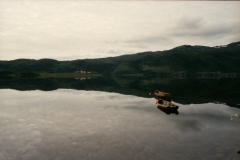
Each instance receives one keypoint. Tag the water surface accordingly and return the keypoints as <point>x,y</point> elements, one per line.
<point>88,124</point>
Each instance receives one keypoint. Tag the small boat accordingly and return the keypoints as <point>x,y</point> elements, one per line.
<point>166,104</point>
<point>162,94</point>
<point>169,111</point>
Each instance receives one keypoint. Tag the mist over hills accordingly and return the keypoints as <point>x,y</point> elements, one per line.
<point>183,58</point>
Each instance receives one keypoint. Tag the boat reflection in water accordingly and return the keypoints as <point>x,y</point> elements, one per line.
<point>164,98</point>
<point>168,110</point>
<point>162,94</point>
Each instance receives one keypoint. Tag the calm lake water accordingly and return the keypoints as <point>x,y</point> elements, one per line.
<point>96,123</point>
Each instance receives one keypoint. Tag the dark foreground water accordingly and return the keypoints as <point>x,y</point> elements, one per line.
<point>96,125</point>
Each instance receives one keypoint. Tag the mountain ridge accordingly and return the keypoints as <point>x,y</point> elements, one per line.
<point>224,58</point>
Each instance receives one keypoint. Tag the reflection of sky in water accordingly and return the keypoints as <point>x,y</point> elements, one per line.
<point>70,124</point>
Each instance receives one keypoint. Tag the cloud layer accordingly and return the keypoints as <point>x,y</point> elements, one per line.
<point>79,29</point>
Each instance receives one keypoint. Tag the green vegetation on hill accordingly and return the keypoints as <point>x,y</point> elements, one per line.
<point>182,58</point>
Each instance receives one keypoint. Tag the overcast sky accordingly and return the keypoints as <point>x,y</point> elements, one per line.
<point>67,30</point>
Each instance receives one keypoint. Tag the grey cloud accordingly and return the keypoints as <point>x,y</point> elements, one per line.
<point>114,51</point>
<point>212,31</point>
<point>190,22</point>
<point>189,125</point>
<point>186,30</point>
<point>150,39</point>
<point>150,42</point>
<point>200,27</point>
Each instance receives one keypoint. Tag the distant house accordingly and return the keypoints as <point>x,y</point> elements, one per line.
<point>80,71</point>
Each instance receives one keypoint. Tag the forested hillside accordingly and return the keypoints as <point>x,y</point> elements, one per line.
<point>182,58</point>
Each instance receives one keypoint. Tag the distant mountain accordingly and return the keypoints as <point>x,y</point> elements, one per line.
<point>233,44</point>
<point>183,58</point>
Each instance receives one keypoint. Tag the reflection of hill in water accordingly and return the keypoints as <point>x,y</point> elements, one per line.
<point>183,91</point>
